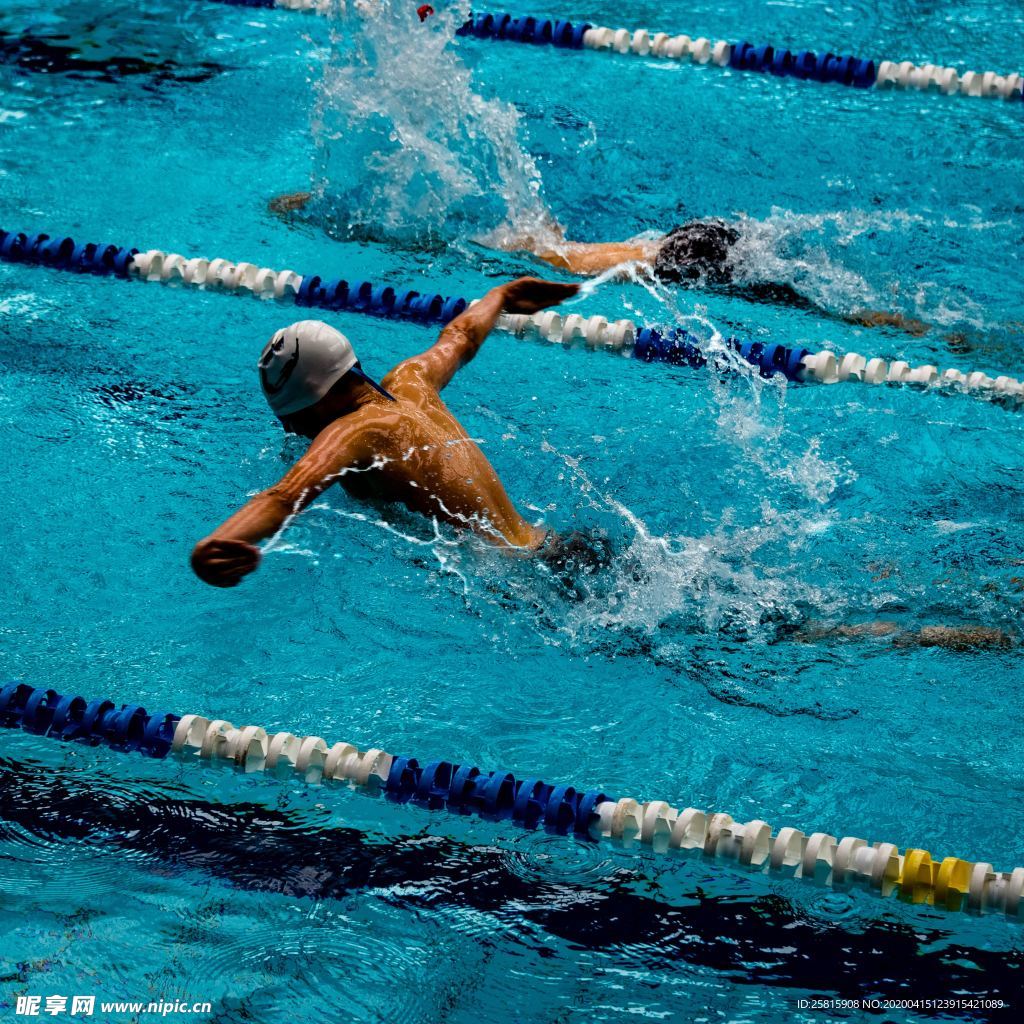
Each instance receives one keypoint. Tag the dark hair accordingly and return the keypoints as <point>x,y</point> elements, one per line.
<point>697,251</point>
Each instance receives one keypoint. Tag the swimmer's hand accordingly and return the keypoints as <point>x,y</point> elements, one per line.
<point>531,294</point>
<point>224,563</point>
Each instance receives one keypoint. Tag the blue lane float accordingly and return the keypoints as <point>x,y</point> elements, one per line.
<point>94,723</point>
<point>672,346</point>
<point>129,728</point>
<point>528,802</point>
<point>805,65</point>
<point>465,789</point>
<point>540,31</point>
<point>309,291</point>
<point>270,4</point>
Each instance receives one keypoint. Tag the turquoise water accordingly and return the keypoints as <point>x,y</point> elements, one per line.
<point>134,425</point>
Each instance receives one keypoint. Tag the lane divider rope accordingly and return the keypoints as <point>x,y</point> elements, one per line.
<point>860,73</point>
<point>289,5</point>
<point>950,883</point>
<point>806,65</point>
<point>647,344</point>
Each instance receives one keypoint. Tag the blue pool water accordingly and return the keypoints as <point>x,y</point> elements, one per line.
<point>134,425</point>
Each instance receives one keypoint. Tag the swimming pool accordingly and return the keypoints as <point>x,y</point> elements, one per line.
<point>135,425</point>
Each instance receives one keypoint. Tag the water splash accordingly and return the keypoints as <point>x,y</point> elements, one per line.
<point>407,150</point>
<point>692,583</point>
<point>820,255</point>
<point>799,250</point>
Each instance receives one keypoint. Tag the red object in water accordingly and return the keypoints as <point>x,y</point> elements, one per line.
<point>424,11</point>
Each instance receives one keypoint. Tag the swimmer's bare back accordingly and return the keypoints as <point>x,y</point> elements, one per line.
<point>413,450</point>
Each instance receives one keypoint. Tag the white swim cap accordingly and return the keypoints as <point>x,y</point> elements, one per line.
<point>301,363</point>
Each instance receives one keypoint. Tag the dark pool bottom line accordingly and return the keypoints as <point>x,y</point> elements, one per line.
<point>259,849</point>
<point>952,883</point>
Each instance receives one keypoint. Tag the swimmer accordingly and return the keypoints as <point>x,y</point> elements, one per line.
<point>392,441</point>
<point>698,253</point>
<point>397,441</point>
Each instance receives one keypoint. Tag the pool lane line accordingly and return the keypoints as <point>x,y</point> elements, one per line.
<point>805,65</point>
<point>951,883</point>
<point>289,5</point>
<point>264,850</point>
<point>648,344</point>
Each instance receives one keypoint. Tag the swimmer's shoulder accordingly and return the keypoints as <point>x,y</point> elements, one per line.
<point>366,429</point>
<point>410,380</point>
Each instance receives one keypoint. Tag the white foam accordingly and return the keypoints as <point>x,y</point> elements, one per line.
<point>788,248</point>
<point>406,149</point>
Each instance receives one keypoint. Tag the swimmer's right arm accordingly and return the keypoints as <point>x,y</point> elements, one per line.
<point>591,258</point>
<point>229,554</point>
<point>461,339</point>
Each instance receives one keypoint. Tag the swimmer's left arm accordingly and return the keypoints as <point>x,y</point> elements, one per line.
<point>229,554</point>
<point>461,339</point>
